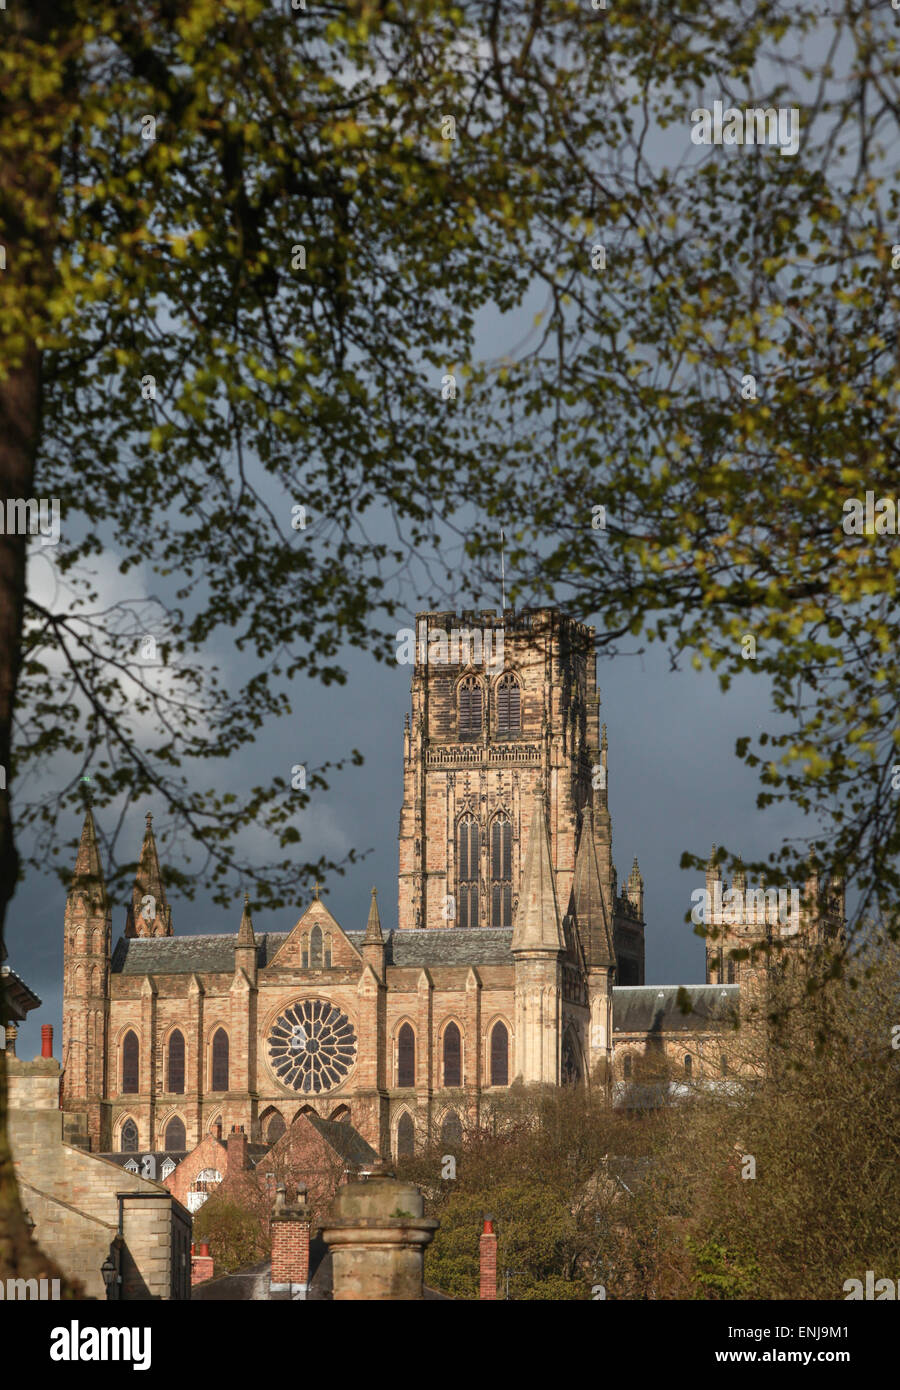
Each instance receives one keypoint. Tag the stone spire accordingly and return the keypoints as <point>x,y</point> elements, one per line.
<point>150,914</point>
<point>538,927</point>
<point>374,934</point>
<point>245,935</point>
<point>590,908</point>
<point>87,862</point>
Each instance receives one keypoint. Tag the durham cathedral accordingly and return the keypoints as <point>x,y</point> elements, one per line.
<point>515,960</point>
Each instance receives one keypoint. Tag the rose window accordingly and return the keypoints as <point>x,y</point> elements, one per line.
<point>312,1046</point>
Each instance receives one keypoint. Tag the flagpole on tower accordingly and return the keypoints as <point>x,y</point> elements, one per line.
<point>502,573</point>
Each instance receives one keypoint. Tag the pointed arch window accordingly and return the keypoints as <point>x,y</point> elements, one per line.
<point>406,1136</point>
<point>451,1131</point>
<point>688,1064</point>
<point>406,1056</point>
<point>131,1071</point>
<point>509,706</point>
<point>328,951</point>
<point>315,948</point>
<point>220,1060</point>
<point>175,1079</point>
<point>501,872</point>
<point>275,1128</point>
<point>128,1140</point>
<point>499,1055</point>
<point>175,1138</point>
<point>470,709</point>
<point>468,863</point>
<point>304,951</point>
<point>452,1056</point>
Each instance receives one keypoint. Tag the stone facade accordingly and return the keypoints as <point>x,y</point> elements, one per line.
<point>87,1210</point>
<point>513,959</point>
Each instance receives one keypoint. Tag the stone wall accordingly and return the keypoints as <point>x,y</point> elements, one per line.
<point>74,1199</point>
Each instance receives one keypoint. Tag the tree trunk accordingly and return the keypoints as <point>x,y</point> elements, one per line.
<point>28,219</point>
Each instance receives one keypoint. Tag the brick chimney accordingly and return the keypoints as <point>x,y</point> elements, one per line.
<point>236,1161</point>
<point>376,1231</point>
<point>46,1039</point>
<point>202,1264</point>
<point>487,1252</point>
<point>290,1245</point>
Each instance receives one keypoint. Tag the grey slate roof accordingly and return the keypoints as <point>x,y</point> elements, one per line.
<point>182,955</point>
<point>656,1009</point>
<point>345,1140</point>
<point>451,946</point>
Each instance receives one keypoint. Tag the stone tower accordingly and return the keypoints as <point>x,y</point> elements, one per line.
<point>86,946</point>
<point>754,929</point>
<point>499,706</point>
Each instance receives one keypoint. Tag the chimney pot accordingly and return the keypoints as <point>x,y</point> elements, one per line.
<point>46,1039</point>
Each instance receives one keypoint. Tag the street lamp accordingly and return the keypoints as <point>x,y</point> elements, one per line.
<point>108,1270</point>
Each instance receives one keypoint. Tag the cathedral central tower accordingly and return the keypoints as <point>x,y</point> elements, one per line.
<point>503,706</point>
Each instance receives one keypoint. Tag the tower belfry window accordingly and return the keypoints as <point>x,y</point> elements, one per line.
<point>509,706</point>
<point>470,709</point>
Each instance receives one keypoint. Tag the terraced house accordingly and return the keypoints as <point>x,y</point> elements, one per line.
<point>515,958</point>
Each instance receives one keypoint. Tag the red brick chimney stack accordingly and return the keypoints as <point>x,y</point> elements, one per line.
<point>46,1039</point>
<point>202,1264</point>
<point>487,1250</point>
<point>237,1161</point>
<point>290,1245</point>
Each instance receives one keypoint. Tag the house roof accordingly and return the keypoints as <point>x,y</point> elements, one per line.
<point>344,1139</point>
<point>19,998</point>
<point>174,1155</point>
<point>672,1008</point>
<point>184,955</point>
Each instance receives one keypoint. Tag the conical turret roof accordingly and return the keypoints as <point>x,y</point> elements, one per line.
<point>538,925</point>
